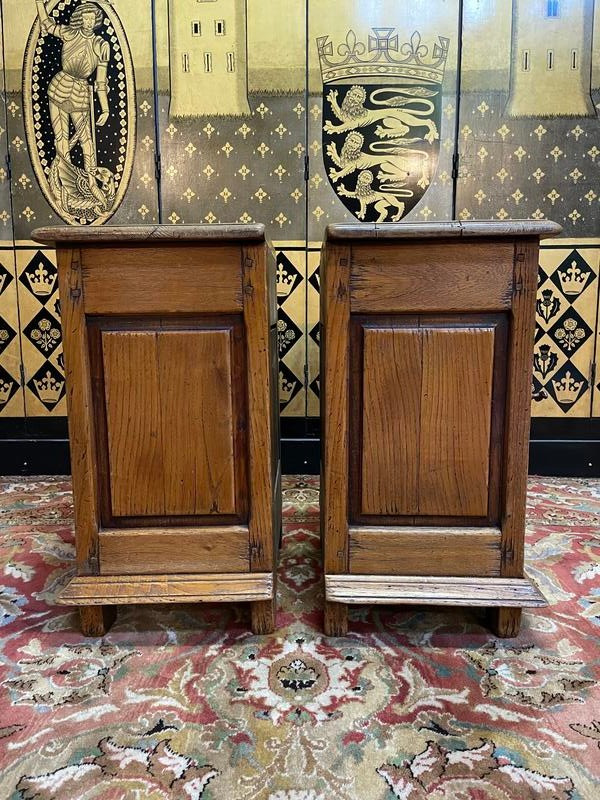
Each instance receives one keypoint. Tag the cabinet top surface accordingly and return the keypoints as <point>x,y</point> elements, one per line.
<point>151,234</point>
<point>442,230</point>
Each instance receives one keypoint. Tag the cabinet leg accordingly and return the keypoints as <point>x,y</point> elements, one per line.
<point>506,621</point>
<point>335,619</point>
<point>263,616</point>
<point>96,620</point>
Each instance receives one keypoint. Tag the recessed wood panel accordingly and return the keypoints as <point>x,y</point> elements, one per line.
<point>432,277</point>
<point>174,550</point>
<point>162,280</point>
<point>391,420</point>
<point>455,420</point>
<point>409,551</point>
<point>168,397</point>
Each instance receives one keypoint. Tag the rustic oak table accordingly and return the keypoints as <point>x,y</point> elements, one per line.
<point>171,368</point>
<point>425,403</point>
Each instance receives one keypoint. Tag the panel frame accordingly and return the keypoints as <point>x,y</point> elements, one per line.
<point>192,323</point>
<point>358,322</point>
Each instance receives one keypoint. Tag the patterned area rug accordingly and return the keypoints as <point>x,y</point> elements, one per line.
<point>185,703</point>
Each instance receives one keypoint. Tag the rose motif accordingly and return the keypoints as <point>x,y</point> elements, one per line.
<point>68,674</point>
<point>158,772</point>
<point>529,677</point>
<point>441,774</point>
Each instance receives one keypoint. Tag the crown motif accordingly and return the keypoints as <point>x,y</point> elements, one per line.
<point>49,388</point>
<point>41,281</point>
<point>567,389</point>
<point>5,390</point>
<point>285,282</point>
<point>286,388</point>
<point>572,280</point>
<point>383,57</point>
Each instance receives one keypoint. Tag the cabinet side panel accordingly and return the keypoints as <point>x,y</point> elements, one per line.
<point>391,400</point>
<point>455,420</point>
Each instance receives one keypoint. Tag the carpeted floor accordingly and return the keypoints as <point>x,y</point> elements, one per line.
<point>185,703</point>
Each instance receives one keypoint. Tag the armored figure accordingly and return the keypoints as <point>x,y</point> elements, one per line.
<point>88,192</point>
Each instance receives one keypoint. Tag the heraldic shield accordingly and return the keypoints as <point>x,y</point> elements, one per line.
<point>79,108</point>
<point>382,114</point>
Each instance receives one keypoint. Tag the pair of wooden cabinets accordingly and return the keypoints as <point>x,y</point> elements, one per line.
<point>171,360</point>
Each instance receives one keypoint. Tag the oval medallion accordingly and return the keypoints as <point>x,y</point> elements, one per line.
<point>80,108</point>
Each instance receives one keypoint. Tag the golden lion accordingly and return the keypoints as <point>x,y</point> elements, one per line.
<point>397,121</point>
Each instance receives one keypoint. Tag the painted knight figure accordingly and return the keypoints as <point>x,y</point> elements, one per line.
<point>79,98</point>
<point>382,115</point>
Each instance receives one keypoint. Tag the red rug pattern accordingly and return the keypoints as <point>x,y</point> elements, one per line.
<point>184,702</point>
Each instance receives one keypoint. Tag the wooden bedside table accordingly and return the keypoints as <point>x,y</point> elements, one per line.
<point>427,334</point>
<point>172,382</point>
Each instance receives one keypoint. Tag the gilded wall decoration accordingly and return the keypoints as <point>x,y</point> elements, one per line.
<point>382,115</point>
<point>566,312</point>
<point>79,103</point>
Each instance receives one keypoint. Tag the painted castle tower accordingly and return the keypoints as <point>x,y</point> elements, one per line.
<point>551,58</point>
<point>208,57</point>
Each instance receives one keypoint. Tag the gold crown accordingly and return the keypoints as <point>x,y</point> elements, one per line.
<point>383,57</point>
<point>572,280</point>
<point>567,389</point>
<point>5,390</point>
<point>286,388</point>
<point>41,281</point>
<point>285,282</point>
<point>49,388</point>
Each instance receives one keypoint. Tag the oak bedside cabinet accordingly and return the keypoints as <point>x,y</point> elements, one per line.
<point>426,389</point>
<point>171,369</point>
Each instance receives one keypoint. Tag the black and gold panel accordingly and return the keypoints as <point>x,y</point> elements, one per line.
<point>79,92</point>
<point>291,330</point>
<point>232,114</point>
<point>382,103</point>
<point>11,389</point>
<point>41,334</point>
<point>566,313</point>
<point>529,130</point>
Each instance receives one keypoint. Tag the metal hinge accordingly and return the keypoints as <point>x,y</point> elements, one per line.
<point>157,165</point>
<point>455,160</point>
<point>306,376</point>
<point>7,161</point>
<point>22,371</point>
<point>306,168</point>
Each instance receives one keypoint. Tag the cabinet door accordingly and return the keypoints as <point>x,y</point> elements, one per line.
<point>171,404</point>
<point>427,401</point>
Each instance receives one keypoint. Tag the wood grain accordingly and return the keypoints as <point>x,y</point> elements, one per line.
<point>96,620</point>
<point>335,319</point>
<point>162,280</point>
<point>431,277</point>
<point>506,621</point>
<point>518,408</point>
<point>198,234</point>
<point>410,551</point>
<point>165,391</point>
<point>391,409</point>
<point>176,550</point>
<point>257,318</point>
<point>123,589</point>
<point>80,410</point>
<point>262,614</point>
<point>438,591</point>
<point>440,230</point>
<point>455,425</point>
<point>335,619</point>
